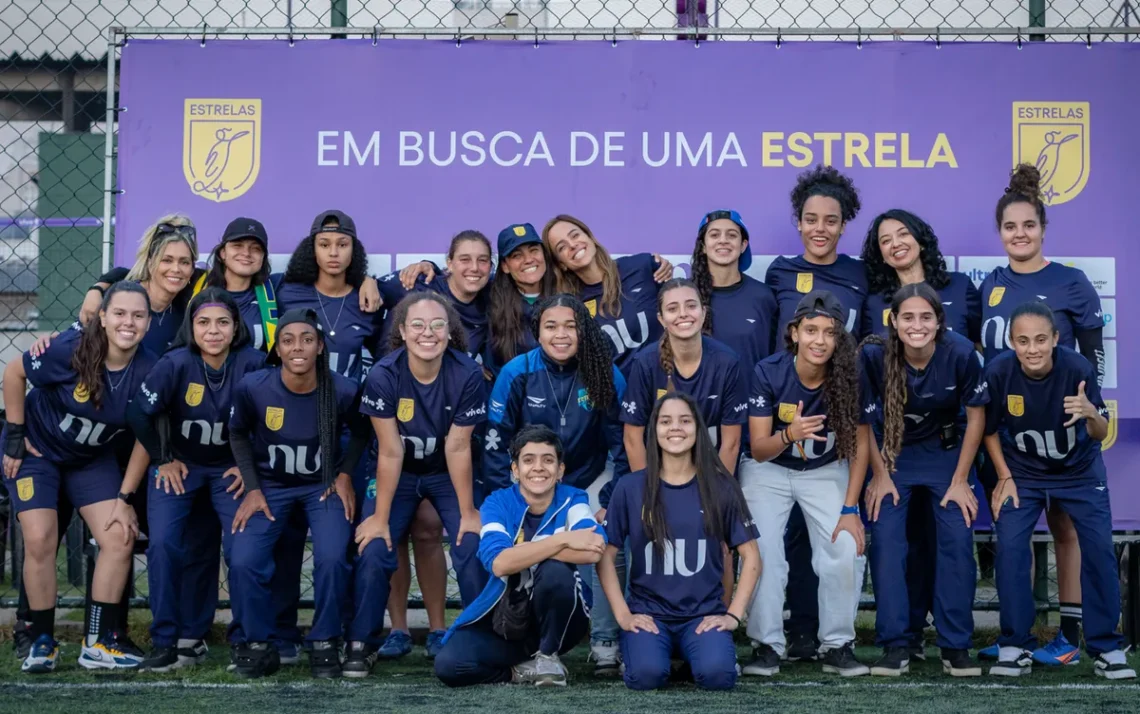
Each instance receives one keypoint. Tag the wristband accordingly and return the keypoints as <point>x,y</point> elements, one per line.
<point>98,287</point>
<point>734,617</point>
<point>850,511</point>
<point>124,497</point>
<point>785,438</point>
<point>14,441</point>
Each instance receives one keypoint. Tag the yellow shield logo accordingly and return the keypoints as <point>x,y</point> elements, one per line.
<point>221,146</point>
<point>25,489</point>
<point>787,412</point>
<point>886,317</point>
<point>804,282</point>
<point>406,409</point>
<point>1054,137</point>
<point>274,418</point>
<point>660,393</point>
<point>592,306</point>
<point>520,231</point>
<point>1112,417</point>
<point>194,393</point>
<point>1016,404</point>
<point>996,295</point>
<point>80,394</point>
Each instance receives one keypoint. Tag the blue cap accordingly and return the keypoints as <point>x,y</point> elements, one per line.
<point>745,260</point>
<point>515,235</point>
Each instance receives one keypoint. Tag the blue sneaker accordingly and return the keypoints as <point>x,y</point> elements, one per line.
<point>434,643</point>
<point>398,644</point>
<point>111,651</point>
<point>989,653</point>
<point>1058,652</point>
<point>42,656</point>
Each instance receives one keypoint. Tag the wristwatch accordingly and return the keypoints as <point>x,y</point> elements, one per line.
<point>124,497</point>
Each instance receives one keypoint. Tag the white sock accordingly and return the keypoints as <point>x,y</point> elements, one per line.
<point>1114,657</point>
<point>187,643</point>
<point>1009,654</point>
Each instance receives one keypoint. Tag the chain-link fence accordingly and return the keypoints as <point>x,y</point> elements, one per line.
<point>54,113</point>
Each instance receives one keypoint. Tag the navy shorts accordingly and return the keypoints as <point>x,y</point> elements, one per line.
<point>38,483</point>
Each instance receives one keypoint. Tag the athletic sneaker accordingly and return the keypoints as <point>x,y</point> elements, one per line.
<point>289,652</point>
<point>1113,665</point>
<point>989,654</point>
<point>194,654</point>
<point>359,660</point>
<point>22,639</point>
<point>1012,662</point>
<point>802,648</point>
<point>434,643</point>
<point>256,659</point>
<point>957,663</point>
<point>549,671</point>
<point>111,651</point>
<point>42,656</point>
<point>764,663</point>
<point>524,672</point>
<point>1057,653</point>
<point>398,644</point>
<point>324,660</point>
<point>607,658</point>
<point>841,661</point>
<point>894,662</point>
<point>160,659</point>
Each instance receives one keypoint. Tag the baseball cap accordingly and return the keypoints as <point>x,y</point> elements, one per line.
<point>745,260</point>
<point>242,227</point>
<point>819,303</point>
<point>345,224</point>
<point>305,315</point>
<point>514,236</point>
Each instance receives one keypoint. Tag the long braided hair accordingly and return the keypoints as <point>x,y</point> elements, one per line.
<point>90,354</point>
<point>595,357</point>
<point>569,282</point>
<point>894,368</point>
<point>840,388</point>
<point>665,346</point>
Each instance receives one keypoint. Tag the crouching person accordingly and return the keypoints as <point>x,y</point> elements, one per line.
<point>536,606</point>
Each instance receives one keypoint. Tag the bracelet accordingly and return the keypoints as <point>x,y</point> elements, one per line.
<point>850,510</point>
<point>124,497</point>
<point>787,440</point>
<point>735,618</point>
<point>98,287</point>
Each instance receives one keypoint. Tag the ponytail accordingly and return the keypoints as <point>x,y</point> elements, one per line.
<point>326,417</point>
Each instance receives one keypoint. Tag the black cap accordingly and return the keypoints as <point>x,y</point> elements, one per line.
<point>515,235</point>
<point>305,315</point>
<point>820,303</point>
<point>242,228</point>
<point>345,224</point>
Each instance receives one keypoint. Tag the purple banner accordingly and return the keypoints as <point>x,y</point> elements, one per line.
<point>418,140</point>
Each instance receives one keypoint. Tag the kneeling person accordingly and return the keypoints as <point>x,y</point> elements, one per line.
<point>535,535</point>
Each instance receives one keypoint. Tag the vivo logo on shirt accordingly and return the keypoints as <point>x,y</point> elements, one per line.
<point>676,561</point>
<point>296,459</point>
<point>208,433</point>
<point>1045,445</point>
<point>90,432</point>
<point>419,448</point>
<point>619,334</point>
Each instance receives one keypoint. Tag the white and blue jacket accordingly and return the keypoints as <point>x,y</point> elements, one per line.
<point>502,515</point>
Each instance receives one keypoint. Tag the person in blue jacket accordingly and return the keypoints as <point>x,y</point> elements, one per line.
<point>1045,421</point>
<point>571,385</point>
<point>536,537</point>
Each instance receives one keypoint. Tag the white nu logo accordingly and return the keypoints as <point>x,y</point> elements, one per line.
<point>995,333</point>
<point>258,336</point>
<point>419,448</point>
<point>1046,447</point>
<point>334,361</point>
<point>89,431</point>
<point>619,334</point>
<point>851,321</point>
<point>810,446</point>
<point>209,433</point>
<point>294,459</point>
<point>675,561</point>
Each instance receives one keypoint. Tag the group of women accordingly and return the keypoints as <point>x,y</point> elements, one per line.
<point>708,421</point>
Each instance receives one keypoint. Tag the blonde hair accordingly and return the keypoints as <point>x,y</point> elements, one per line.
<point>153,245</point>
<point>568,282</point>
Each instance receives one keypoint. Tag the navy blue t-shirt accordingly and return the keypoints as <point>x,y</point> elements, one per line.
<point>792,278</point>
<point>1074,302</point>
<point>637,325</point>
<point>1029,416</point>
<point>251,315</point>
<point>163,328</point>
<point>717,385</point>
<point>424,413</point>
<point>744,318</point>
<point>61,420</point>
<point>684,581</point>
<point>960,299</point>
<point>348,330</point>
<point>283,426</point>
<point>935,395</point>
<point>776,392</point>
<point>199,409</point>
<point>473,315</point>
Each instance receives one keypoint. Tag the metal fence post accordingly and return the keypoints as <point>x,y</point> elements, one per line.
<point>1037,18</point>
<point>338,16</point>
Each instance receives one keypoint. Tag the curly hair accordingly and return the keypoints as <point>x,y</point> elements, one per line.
<point>90,354</point>
<point>457,333</point>
<point>840,388</point>
<point>883,278</point>
<point>505,311</point>
<point>894,368</point>
<point>826,181</point>
<point>568,282</point>
<point>665,347</point>
<point>1024,187</point>
<point>303,266</point>
<point>595,357</point>
<point>185,336</point>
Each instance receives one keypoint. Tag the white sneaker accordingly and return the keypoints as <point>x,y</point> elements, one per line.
<point>524,672</point>
<point>1012,662</point>
<point>549,671</point>
<point>1113,665</point>
<point>606,657</point>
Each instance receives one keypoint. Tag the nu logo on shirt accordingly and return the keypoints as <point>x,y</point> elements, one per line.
<point>675,561</point>
<point>1054,137</point>
<point>1016,404</point>
<point>221,146</point>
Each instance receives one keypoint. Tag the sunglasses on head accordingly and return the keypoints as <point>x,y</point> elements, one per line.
<point>165,229</point>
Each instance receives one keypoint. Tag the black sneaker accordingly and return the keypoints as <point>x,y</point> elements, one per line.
<point>958,663</point>
<point>361,657</point>
<point>255,660</point>
<point>764,663</point>
<point>22,639</point>
<point>894,662</point>
<point>324,660</point>
<point>918,651</point>
<point>234,649</point>
<point>841,661</point>
<point>802,648</point>
<point>160,659</point>
<point>1012,662</point>
<point>192,655</point>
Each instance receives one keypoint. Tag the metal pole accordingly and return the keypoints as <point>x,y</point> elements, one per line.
<point>1037,18</point>
<point>109,147</point>
<point>338,16</point>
